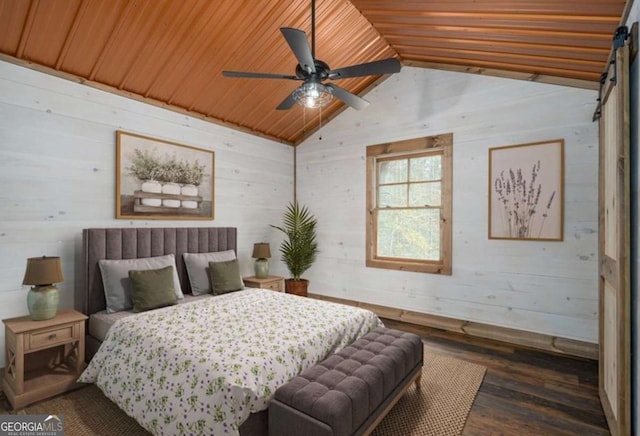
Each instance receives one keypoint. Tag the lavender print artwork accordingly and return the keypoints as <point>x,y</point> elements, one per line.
<point>525,192</point>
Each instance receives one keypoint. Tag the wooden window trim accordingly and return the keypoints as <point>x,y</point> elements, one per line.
<point>418,146</point>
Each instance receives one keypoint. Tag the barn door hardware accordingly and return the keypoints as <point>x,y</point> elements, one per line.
<point>620,37</point>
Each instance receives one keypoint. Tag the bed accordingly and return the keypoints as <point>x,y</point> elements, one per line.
<point>209,364</point>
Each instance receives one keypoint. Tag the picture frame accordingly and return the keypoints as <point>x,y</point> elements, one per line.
<point>526,191</point>
<point>159,179</point>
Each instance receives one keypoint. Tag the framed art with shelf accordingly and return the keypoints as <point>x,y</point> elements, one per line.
<point>157,179</point>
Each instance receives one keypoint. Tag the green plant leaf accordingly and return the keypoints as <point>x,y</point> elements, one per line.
<point>300,249</point>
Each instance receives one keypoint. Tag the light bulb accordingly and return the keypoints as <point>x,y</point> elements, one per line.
<point>312,95</point>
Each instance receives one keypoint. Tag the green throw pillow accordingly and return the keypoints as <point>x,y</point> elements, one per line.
<point>152,288</point>
<point>225,276</point>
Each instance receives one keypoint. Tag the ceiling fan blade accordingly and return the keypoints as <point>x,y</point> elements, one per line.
<point>351,99</point>
<point>297,40</point>
<point>287,103</point>
<point>375,68</point>
<point>258,75</point>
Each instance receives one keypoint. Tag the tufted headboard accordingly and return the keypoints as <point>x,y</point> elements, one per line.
<point>131,243</point>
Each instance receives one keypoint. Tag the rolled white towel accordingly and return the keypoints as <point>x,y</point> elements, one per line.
<point>155,202</point>
<point>171,203</point>
<point>189,190</point>
<point>189,204</point>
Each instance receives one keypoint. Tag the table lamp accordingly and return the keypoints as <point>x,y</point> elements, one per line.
<point>261,252</point>
<point>42,273</point>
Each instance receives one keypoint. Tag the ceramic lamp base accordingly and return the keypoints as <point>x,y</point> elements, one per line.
<point>261,268</point>
<point>42,302</point>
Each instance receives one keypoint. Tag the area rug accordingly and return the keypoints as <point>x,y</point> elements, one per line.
<point>440,407</point>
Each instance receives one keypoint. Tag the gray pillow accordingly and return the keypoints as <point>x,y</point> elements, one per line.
<point>117,285</point>
<point>152,288</point>
<point>198,268</point>
<point>225,277</point>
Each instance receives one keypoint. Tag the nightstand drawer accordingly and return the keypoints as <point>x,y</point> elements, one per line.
<point>48,337</point>
<point>274,286</point>
<point>273,283</point>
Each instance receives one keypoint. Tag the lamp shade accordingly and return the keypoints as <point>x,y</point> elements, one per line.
<point>43,271</point>
<point>261,250</point>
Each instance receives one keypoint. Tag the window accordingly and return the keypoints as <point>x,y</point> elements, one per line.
<point>409,205</point>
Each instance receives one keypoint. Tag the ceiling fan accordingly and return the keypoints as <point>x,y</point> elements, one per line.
<point>312,72</point>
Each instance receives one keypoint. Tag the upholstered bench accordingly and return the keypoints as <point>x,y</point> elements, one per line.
<point>349,392</point>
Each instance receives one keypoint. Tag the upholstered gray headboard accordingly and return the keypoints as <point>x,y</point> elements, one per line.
<point>131,243</point>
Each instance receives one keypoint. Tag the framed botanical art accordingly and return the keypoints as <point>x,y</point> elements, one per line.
<point>526,191</point>
<point>157,179</point>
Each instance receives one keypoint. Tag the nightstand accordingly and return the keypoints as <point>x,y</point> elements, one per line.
<point>43,358</point>
<point>275,283</point>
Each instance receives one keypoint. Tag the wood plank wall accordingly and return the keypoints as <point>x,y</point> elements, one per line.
<point>57,176</point>
<point>542,287</point>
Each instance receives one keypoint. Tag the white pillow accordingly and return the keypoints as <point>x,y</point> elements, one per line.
<point>117,286</point>
<point>198,268</point>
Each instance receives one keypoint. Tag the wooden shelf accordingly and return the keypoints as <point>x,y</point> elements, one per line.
<point>138,196</point>
<point>166,210</point>
<point>142,194</point>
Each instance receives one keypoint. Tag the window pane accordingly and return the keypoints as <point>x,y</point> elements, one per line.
<point>426,168</point>
<point>392,171</point>
<point>425,194</point>
<point>409,234</point>
<point>392,196</point>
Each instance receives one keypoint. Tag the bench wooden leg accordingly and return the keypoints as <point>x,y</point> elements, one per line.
<point>418,380</point>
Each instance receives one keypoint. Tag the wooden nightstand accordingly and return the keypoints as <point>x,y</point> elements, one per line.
<point>275,283</point>
<point>43,358</point>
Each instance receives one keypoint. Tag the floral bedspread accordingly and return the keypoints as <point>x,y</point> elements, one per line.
<point>203,367</point>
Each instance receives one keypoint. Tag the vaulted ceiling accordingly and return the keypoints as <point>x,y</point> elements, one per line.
<point>172,52</point>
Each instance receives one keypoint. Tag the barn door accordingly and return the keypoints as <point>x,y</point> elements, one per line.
<point>614,221</point>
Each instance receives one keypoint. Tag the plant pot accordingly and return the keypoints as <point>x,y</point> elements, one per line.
<point>153,187</point>
<point>296,287</point>
<point>171,188</point>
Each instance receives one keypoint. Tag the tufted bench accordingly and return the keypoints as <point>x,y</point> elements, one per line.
<point>351,391</point>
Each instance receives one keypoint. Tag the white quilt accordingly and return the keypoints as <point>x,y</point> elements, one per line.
<point>203,367</point>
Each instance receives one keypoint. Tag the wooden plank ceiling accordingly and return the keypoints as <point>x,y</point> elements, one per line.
<point>172,52</point>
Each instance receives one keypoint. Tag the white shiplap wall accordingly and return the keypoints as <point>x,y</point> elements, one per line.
<point>57,176</point>
<point>544,287</point>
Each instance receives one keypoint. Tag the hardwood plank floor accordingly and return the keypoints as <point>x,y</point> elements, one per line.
<point>524,392</point>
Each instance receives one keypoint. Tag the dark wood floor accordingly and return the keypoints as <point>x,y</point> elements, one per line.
<point>524,392</point>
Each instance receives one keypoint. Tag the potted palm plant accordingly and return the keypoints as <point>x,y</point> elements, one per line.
<point>300,248</point>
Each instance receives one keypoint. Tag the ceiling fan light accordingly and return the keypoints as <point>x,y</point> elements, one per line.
<point>312,95</point>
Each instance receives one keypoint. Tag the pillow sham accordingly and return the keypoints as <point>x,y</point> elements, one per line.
<point>152,288</point>
<point>198,268</point>
<point>117,285</point>
<point>225,277</point>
